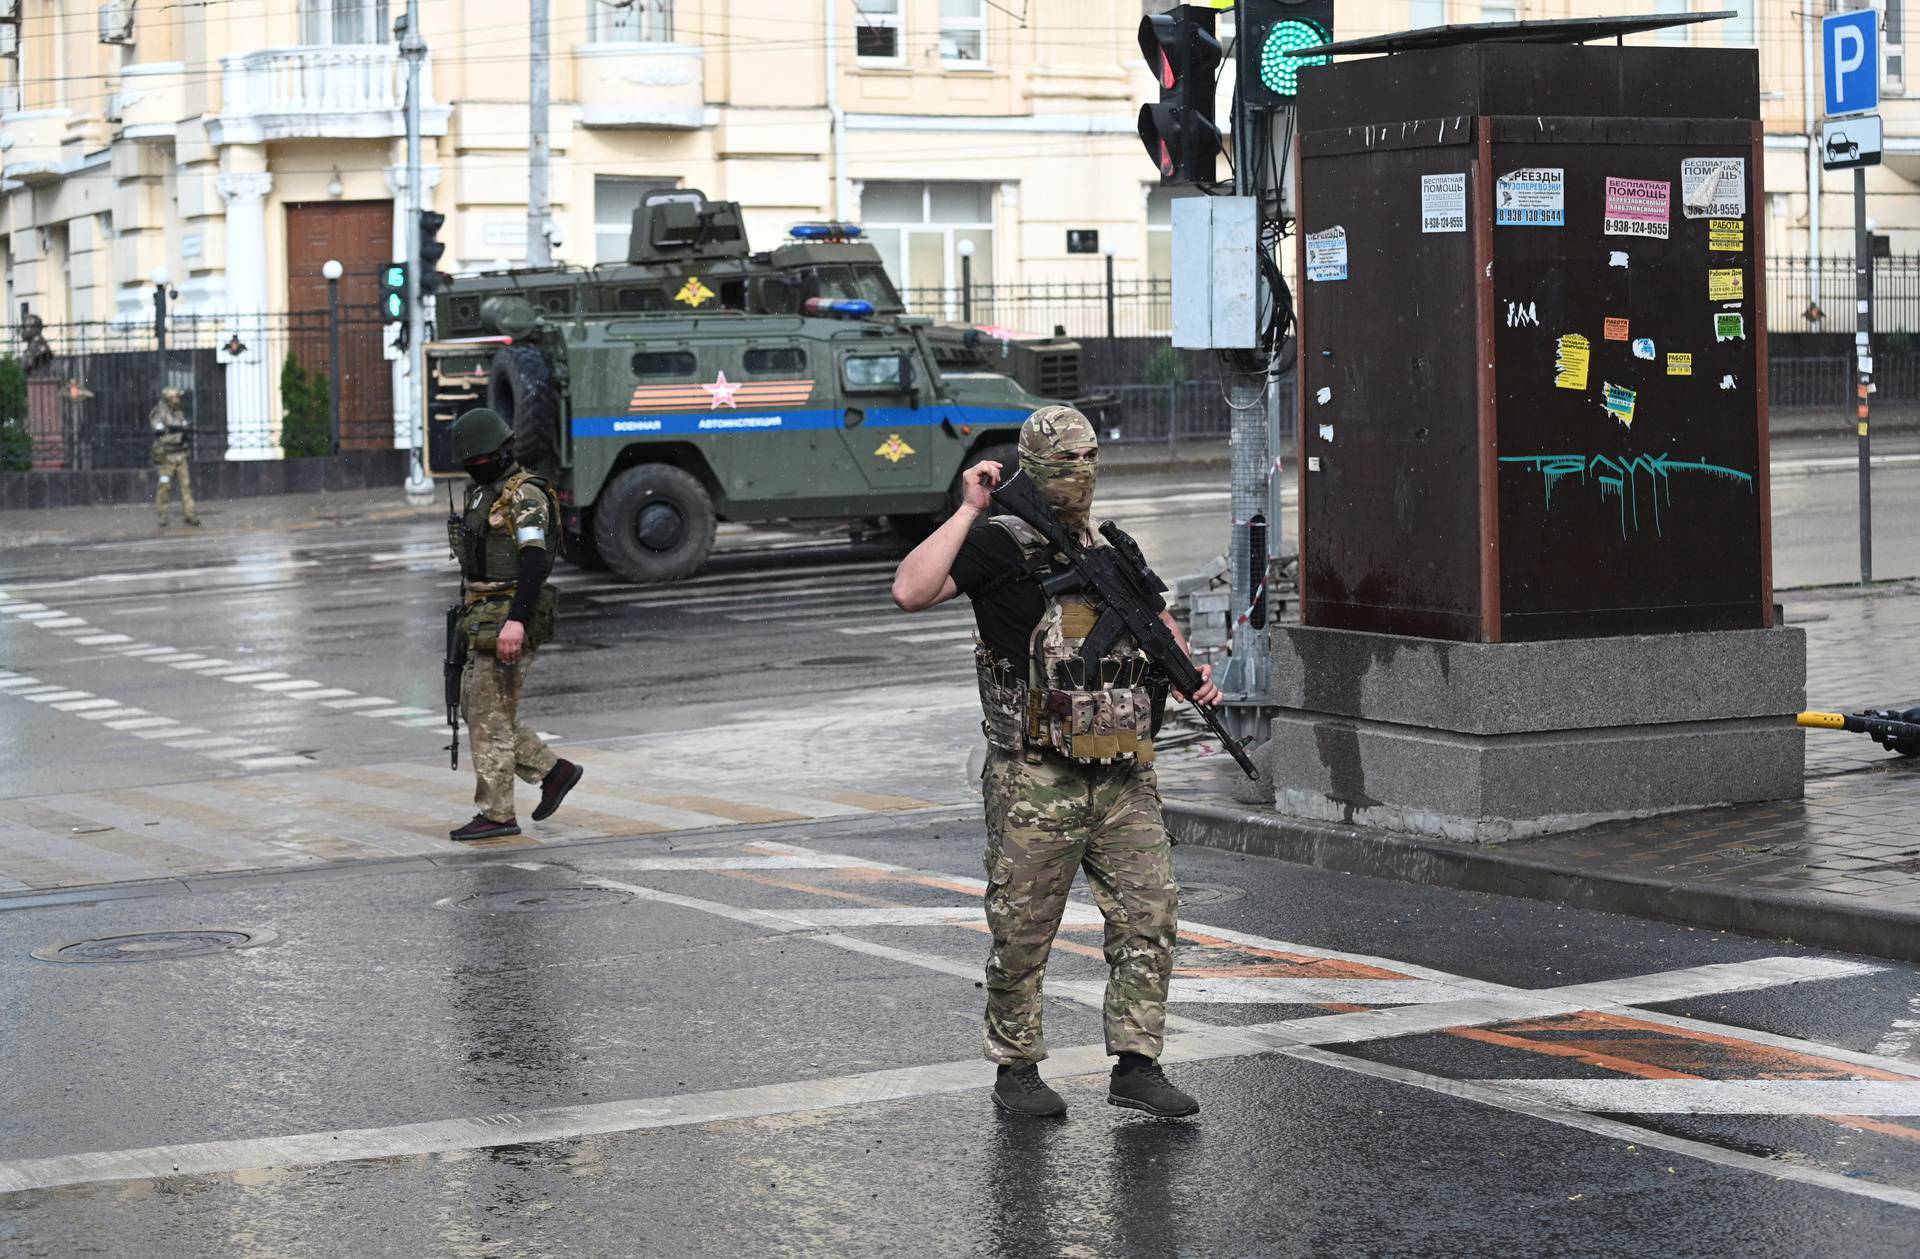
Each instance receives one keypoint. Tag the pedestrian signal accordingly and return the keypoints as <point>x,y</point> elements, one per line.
<point>1270,30</point>
<point>393,291</point>
<point>1178,130</point>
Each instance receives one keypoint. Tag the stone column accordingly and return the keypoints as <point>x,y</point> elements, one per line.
<point>253,427</point>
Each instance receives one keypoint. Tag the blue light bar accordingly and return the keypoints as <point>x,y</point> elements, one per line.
<point>824,231</point>
<point>848,306</point>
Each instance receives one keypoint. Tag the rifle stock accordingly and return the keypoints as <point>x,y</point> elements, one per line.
<point>1120,582</point>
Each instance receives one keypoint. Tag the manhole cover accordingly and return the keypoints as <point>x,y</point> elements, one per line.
<point>842,662</point>
<point>1209,893</point>
<point>539,900</point>
<point>155,946</point>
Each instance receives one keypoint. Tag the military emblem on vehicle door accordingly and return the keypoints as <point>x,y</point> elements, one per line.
<point>693,292</point>
<point>893,450</point>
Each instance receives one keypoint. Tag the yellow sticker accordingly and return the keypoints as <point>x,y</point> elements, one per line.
<point>1726,234</point>
<point>1679,364</point>
<point>893,450</point>
<point>693,292</point>
<point>1727,286</point>
<point>1571,359</point>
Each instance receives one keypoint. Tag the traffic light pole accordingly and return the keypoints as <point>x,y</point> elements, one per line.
<point>539,198</point>
<point>1863,352</point>
<point>413,49</point>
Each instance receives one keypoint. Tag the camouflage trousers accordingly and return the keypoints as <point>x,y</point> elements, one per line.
<point>173,471</point>
<point>1046,820</point>
<point>502,744</point>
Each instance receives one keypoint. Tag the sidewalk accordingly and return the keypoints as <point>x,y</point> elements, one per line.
<point>1839,868</point>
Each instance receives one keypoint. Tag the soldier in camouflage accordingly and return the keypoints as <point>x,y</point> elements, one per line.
<point>170,431</point>
<point>1069,780</point>
<point>501,540</point>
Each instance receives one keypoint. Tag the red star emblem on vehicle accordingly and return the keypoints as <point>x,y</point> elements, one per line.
<point>722,391</point>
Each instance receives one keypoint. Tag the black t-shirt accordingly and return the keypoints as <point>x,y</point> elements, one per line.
<point>1007,604</point>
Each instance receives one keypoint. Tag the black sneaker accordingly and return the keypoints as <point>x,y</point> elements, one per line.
<point>484,827</point>
<point>1021,1090</point>
<point>562,778</point>
<point>1146,1088</point>
<point>194,521</point>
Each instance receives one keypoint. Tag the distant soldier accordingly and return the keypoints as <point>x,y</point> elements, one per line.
<point>500,540</point>
<point>171,430</point>
<point>1069,782</point>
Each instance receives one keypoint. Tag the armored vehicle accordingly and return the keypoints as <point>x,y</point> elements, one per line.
<point>653,426</point>
<point>689,254</point>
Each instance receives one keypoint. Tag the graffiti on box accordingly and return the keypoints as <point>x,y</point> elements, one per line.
<point>1625,480</point>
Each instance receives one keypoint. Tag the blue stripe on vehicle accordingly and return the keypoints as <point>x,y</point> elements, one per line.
<point>726,423</point>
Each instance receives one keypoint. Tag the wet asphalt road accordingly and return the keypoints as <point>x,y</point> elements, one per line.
<point>750,1034</point>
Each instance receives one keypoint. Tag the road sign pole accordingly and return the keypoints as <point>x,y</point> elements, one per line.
<point>1863,355</point>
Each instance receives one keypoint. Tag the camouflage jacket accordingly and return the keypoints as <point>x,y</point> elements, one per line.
<point>500,518</point>
<point>169,425</point>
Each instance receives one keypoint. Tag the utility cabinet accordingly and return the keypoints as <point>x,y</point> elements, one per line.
<point>1532,343</point>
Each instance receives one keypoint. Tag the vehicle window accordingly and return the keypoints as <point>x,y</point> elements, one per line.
<point>640,300</point>
<point>663,363</point>
<point>876,288</point>
<point>873,371</point>
<point>833,282</point>
<point>785,358</point>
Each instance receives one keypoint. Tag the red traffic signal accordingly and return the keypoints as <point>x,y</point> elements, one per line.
<point>1178,131</point>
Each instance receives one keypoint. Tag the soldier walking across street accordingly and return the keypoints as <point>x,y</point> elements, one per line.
<point>1069,781</point>
<point>501,540</point>
<point>171,431</point>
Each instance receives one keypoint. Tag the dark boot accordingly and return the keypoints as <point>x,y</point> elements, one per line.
<point>562,778</point>
<point>1139,1084</point>
<point>484,827</point>
<point>194,521</point>
<point>1021,1090</point>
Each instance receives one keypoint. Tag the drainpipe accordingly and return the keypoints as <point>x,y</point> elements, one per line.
<point>837,117</point>
<point>1810,84</point>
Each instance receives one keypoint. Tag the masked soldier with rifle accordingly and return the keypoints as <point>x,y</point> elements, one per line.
<point>506,612</point>
<point>1076,653</point>
<point>171,433</point>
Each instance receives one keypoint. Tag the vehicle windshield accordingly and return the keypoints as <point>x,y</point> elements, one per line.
<point>878,289</point>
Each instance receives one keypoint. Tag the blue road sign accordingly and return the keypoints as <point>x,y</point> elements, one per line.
<point>1851,45</point>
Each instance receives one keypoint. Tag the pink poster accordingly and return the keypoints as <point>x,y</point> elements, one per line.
<point>1638,207</point>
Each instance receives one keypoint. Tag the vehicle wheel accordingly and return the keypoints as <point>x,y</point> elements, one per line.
<point>654,523</point>
<point>520,387</point>
<point>583,551</point>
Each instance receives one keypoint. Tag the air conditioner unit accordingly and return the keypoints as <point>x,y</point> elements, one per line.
<point>116,22</point>
<point>1896,76</point>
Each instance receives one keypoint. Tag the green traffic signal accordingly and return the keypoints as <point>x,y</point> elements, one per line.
<point>1280,73</point>
<point>396,306</point>
<point>393,291</point>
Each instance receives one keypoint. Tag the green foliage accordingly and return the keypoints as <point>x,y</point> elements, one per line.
<point>306,406</point>
<point>1167,367</point>
<point>16,447</point>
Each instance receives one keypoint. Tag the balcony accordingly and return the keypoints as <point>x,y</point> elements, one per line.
<point>320,91</point>
<point>30,145</point>
<point>656,85</point>
<point>151,100</point>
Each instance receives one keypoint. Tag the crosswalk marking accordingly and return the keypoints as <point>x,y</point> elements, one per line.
<point>82,705</point>
<point>364,701</point>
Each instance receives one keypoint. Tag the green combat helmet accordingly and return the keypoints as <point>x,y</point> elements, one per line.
<point>478,433</point>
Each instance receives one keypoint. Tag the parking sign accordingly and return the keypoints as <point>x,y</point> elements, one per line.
<point>1850,44</point>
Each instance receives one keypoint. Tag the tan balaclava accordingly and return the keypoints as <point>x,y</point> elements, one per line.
<point>1066,484</point>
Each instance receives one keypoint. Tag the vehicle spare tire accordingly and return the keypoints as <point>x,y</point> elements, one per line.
<point>654,523</point>
<point>521,388</point>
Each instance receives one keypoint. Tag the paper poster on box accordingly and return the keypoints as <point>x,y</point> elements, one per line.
<point>1327,254</point>
<point>1572,356</point>
<point>1726,285</point>
<point>1637,207</point>
<point>1443,203</point>
<point>1534,197</point>
<point>1714,187</point>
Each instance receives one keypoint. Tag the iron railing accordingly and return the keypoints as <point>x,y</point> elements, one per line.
<point>1126,308</point>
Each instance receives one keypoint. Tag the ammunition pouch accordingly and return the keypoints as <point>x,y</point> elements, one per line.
<point>486,614</point>
<point>1093,727</point>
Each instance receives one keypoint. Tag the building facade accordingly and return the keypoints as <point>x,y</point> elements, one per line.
<point>231,148</point>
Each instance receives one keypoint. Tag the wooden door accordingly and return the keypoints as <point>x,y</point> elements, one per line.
<point>359,235</point>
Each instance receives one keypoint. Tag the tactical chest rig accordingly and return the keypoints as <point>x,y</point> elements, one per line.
<point>1091,702</point>
<point>489,554</point>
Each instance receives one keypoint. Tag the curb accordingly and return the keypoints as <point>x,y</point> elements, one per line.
<point>1805,919</point>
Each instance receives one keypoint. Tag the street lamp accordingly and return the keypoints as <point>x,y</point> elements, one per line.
<point>965,250</point>
<point>332,269</point>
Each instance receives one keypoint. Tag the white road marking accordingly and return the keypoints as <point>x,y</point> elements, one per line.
<point>18,685</point>
<point>45,614</point>
<point>178,731</point>
<point>394,712</point>
<point>365,701</point>
<point>899,622</point>
<point>175,657</point>
<point>274,762</point>
<point>944,636</point>
<point>145,650</point>
<point>296,684</point>
<point>65,622</point>
<point>102,640</point>
<point>106,713</point>
<point>205,664</point>
<point>1724,1097</point>
<point>325,693</point>
<point>141,723</point>
<point>212,741</point>
<point>256,677</point>
<point>222,670</point>
<point>1898,1042</point>
<point>48,697</point>
<point>82,705</point>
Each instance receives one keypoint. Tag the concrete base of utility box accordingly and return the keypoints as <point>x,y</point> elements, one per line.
<point>1495,741</point>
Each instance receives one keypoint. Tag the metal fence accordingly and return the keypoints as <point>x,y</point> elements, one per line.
<point>91,386</point>
<point>1131,307</point>
<point>1817,294</point>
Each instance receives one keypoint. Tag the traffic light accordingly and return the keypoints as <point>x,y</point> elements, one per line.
<point>1269,29</point>
<point>393,291</point>
<point>431,248</point>
<point>1179,130</point>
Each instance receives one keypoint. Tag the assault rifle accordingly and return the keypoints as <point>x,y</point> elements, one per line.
<point>1897,732</point>
<point>1119,575</point>
<point>454,663</point>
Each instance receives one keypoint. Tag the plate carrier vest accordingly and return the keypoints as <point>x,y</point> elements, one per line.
<point>1058,706</point>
